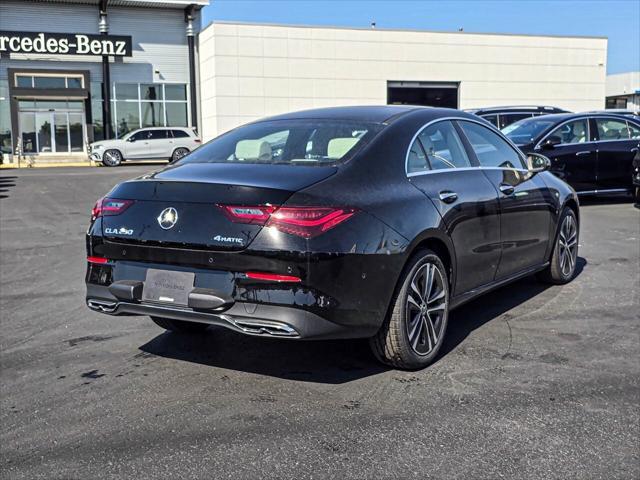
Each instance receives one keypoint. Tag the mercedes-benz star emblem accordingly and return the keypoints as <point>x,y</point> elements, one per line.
<point>168,218</point>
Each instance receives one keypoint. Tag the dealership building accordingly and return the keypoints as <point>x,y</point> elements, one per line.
<point>76,71</point>
<point>248,71</point>
<point>623,91</point>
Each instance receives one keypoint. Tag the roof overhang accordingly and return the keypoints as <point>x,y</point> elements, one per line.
<point>136,3</point>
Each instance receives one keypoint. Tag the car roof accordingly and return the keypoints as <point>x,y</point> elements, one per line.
<point>365,113</point>
<point>162,128</point>
<point>515,108</point>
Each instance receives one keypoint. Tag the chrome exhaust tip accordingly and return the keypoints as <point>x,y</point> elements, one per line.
<point>264,327</point>
<point>102,306</point>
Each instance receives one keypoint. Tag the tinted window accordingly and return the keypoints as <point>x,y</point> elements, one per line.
<point>490,148</point>
<point>179,134</point>
<point>610,129</point>
<point>417,161</point>
<point>493,119</point>
<point>142,134</point>
<point>298,142</point>
<point>572,132</point>
<point>527,130</point>
<point>157,134</point>
<point>443,147</point>
<point>509,118</point>
<point>634,131</point>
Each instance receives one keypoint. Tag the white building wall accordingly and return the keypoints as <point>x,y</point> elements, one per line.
<point>625,85</point>
<point>251,71</point>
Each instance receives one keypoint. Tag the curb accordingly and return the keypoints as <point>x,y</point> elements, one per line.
<point>8,166</point>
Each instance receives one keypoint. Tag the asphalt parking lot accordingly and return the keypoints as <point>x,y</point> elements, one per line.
<point>534,381</point>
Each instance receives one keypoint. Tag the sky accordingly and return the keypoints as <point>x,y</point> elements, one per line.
<point>619,20</point>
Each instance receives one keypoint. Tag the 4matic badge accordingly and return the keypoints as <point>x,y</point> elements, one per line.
<point>236,240</point>
<point>118,231</point>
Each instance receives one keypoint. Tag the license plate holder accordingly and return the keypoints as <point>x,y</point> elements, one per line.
<point>166,286</point>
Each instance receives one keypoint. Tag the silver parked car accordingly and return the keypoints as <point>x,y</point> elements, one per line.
<point>153,143</point>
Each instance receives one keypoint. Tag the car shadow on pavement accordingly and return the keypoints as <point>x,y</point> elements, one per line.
<point>470,316</point>
<point>330,361</point>
<point>5,184</point>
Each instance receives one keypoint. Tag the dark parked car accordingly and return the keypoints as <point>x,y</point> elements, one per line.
<point>503,116</point>
<point>591,152</point>
<point>363,222</point>
<point>619,111</point>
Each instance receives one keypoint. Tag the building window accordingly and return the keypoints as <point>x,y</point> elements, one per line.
<point>616,102</point>
<point>148,105</point>
<point>96,111</point>
<point>24,80</point>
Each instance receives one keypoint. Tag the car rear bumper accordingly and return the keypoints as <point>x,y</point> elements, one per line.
<point>243,317</point>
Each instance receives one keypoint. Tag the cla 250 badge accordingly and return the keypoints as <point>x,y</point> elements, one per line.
<point>118,231</point>
<point>220,238</point>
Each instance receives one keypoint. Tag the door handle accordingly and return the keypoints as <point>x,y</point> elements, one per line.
<point>506,188</point>
<point>448,197</point>
<point>579,154</point>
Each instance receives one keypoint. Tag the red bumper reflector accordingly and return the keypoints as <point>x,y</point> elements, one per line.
<point>97,260</point>
<point>272,277</point>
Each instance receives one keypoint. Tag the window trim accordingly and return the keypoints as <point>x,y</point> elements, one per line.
<point>482,123</point>
<point>589,140</point>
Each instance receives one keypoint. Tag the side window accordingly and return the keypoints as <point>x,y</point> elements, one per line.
<point>443,146</point>
<point>572,132</point>
<point>179,134</point>
<point>141,135</point>
<point>417,161</point>
<point>507,119</point>
<point>611,129</point>
<point>490,148</point>
<point>157,134</point>
<point>634,131</point>
<point>492,119</point>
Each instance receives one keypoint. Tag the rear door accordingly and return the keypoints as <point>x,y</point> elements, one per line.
<point>616,149</point>
<point>439,166</point>
<point>574,159</point>
<point>159,145</point>
<point>525,204</point>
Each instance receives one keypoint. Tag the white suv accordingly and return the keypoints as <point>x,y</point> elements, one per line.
<point>153,143</point>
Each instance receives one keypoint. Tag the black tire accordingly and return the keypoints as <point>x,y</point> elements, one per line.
<point>398,343</point>
<point>180,326</point>
<point>564,257</point>
<point>111,158</point>
<point>178,153</point>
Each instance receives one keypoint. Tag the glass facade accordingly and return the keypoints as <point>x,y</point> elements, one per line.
<point>5,119</point>
<point>137,105</point>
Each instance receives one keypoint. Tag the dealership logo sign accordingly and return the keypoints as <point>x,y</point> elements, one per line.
<point>65,43</point>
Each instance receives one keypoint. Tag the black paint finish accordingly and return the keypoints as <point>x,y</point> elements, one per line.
<point>349,273</point>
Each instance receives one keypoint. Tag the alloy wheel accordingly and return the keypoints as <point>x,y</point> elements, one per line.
<point>179,153</point>
<point>426,307</point>
<point>568,245</point>
<point>112,158</point>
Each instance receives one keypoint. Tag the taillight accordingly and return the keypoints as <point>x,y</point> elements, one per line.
<point>109,206</point>
<point>99,260</point>
<point>272,277</point>
<point>306,222</point>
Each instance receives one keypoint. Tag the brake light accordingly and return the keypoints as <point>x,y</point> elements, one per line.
<point>109,206</point>
<point>99,260</point>
<point>272,277</point>
<point>306,222</point>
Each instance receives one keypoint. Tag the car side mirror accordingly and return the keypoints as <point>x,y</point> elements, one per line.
<point>551,142</point>
<point>537,163</point>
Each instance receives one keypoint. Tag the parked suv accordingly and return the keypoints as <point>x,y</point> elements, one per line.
<point>146,143</point>
<point>501,117</point>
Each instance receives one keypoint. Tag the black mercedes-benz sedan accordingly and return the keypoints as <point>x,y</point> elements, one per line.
<point>592,152</point>
<point>345,222</point>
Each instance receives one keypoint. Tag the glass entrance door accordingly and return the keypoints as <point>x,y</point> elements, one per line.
<point>52,126</point>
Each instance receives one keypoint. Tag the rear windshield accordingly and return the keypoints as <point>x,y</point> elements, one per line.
<point>527,130</point>
<point>292,142</point>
